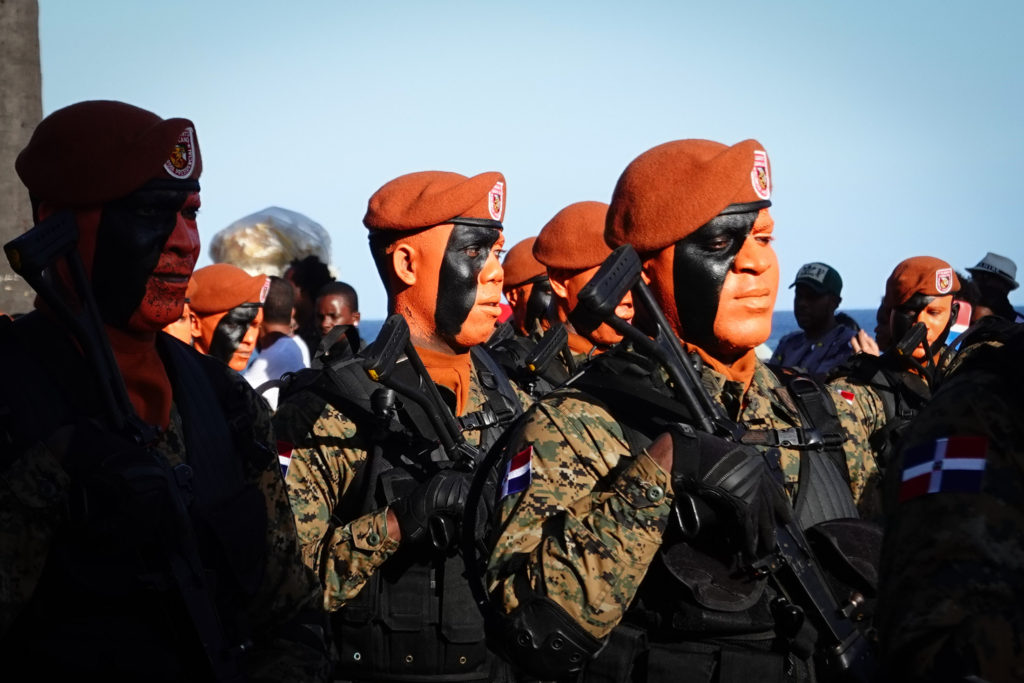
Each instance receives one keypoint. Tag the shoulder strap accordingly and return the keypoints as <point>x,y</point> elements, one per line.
<point>824,478</point>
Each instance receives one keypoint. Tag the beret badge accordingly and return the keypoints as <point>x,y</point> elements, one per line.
<point>182,160</point>
<point>759,177</point>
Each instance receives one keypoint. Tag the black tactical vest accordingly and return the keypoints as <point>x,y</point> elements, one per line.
<point>415,619</point>
<point>110,599</point>
<point>694,617</point>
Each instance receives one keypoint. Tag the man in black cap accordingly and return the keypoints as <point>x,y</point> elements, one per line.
<point>823,342</point>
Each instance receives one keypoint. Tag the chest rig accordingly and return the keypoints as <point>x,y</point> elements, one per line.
<point>147,573</point>
<point>415,619</point>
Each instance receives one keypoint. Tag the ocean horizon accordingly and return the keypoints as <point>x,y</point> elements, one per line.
<point>783,322</point>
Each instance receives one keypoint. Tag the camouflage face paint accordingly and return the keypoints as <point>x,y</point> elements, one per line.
<point>131,237</point>
<point>701,262</point>
<point>231,330</point>
<point>465,255</point>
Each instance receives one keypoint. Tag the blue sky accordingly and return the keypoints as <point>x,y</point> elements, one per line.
<point>894,128</point>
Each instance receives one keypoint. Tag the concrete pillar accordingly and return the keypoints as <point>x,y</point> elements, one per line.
<point>21,108</point>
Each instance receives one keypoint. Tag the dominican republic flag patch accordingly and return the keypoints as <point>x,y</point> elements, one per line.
<point>518,473</point>
<point>955,464</point>
<point>284,456</point>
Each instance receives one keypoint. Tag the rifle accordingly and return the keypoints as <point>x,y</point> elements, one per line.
<point>35,256</point>
<point>380,360</point>
<point>793,568</point>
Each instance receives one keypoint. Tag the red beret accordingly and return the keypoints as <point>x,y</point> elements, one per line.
<point>520,265</point>
<point>92,152</point>
<point>920,275</point>
<point>429,198</point>
<point>669,191</point>
<point>574,238</point>
<point>222,286</point>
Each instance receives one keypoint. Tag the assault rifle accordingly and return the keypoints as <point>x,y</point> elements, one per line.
<point>380,360</point>
<point>793,568</point>
<point>36,256</point>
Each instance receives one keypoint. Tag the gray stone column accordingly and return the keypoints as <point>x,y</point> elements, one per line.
<point>21,109</point>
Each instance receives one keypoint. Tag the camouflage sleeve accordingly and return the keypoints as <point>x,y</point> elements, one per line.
<point>585,530</point>
<point>861,414</point>
<point>33,497</point>
<point>953,556</point>
<point>288,600</point>
<point>324,460</point>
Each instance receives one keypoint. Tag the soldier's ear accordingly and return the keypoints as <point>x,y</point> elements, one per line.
<point>559,285</point>
<point>405,262</point>
<point>512,295</point>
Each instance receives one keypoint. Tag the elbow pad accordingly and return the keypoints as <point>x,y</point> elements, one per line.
<point>541,638</point>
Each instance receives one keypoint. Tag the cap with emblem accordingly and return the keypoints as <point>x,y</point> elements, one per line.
<point>671,190</point>
<point>821,277</point>
<point>95,151</point>
<point>994,264</point>
<point>520,266</point>
<point>919,275</point>
<point>222,286</point>
<point>428,198</point>
<point>574,238</point>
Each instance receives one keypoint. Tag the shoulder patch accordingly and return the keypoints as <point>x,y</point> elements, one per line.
<point>518,473</point>
<point>846,395</point>
<point>284,456</point>
<point>954,464</point>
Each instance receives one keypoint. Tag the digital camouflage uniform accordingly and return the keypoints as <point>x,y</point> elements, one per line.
<point>588,526</point>
<point>327,448</point>
<point>953,559</point>
<point>34,509</point>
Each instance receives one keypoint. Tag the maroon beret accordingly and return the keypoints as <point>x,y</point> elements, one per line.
<point>222,286</point>
<point>669,191</point>
<point>520,265</point>
<point>574,238</point>
<point>919,275</point>
<point>429,198</point>
<point>92,152</point>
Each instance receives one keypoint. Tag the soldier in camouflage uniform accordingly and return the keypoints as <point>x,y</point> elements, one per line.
<point>588,551</point>
<point>526,289</point>
<point>367,491</point>
<point>888,390</point>
<point>151,541</point>
<point>570,247</point>
<point>950,607</point>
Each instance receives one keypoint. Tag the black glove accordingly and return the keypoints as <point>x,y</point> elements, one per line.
<point>732,483</point>
<point>432,508</point>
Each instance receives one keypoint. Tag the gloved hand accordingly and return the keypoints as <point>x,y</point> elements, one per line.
<point>733,481</point>
<point>442,498</point>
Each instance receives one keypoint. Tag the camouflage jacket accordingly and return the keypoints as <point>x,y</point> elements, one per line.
<point>586,529</point>
<point>327,449</point>
<point>34,511</point>
<point>953,557</point>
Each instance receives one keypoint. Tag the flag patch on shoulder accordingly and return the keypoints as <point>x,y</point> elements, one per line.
<point>846,396</point>
<point>953,464</point>
<point>518,473</point>
<point>284,456</point>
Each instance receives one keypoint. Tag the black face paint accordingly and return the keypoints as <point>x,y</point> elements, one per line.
<point>131,235</point>
<point>467,251</point>
<point>904,317</point>
<point>537,304</point>
<point>230,330</point>
<point>700,263</point>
